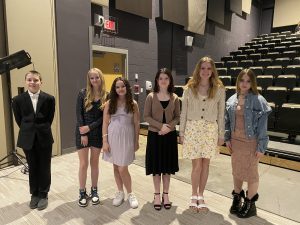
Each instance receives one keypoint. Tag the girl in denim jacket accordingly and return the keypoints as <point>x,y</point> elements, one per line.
<point>246,118</point>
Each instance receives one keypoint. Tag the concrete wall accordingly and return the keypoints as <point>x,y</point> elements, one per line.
<point>73,54</point>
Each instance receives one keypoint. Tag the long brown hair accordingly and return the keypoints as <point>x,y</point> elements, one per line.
<point>90,97</point>
<point>113,96</point>
<point>169,74</point>
<point>252,77</point>
<point>214,81</point>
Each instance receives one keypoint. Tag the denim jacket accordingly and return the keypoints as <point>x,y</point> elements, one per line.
<point>256,111</point>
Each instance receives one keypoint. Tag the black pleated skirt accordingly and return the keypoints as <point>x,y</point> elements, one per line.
<point>161,153</point>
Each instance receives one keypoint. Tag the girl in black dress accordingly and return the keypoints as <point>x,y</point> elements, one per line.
<point>162,112</point>
<point>89,112</point>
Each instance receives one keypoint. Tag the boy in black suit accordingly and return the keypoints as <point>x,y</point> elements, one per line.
<point>34,112</point>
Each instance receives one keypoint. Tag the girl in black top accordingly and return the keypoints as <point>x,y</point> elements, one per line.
<point>89,112</point>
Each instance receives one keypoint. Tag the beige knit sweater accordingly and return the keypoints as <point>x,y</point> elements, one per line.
<point>201,107</point>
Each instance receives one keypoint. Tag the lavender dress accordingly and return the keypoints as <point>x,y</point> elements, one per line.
<point>121,138</point>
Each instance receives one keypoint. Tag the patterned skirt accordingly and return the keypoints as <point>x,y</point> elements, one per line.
<point>200,139</point>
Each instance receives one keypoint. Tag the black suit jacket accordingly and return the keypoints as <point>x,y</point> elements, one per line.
<point>34,126</point>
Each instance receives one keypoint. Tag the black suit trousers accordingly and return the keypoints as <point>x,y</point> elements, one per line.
<point>39,162</point>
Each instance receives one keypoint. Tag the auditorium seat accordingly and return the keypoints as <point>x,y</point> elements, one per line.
<point>262,50</point>
<point>264,62</point>
<point>226,80</point>
<point>263,41</point>
<point>280,49</point>
<point>249,51</point>
<point>288,81</point>
<point>222,71</point>
<point>281,36</point>
<point>276,40</point>
<point>272,55</point>
<point>230,64</point>
<point>240,57</point>
<point>274,34</point>
<point>284,43</point>
<point>230,90</point>
<point>256,39</point>
<point>296,61</point>
<point>273,70</point>
<point>234,53</point>
<point>227,58</point>
<point>292,69</point>
<point>263,35</point>
<point>264,81</point>
<point>247,44</point>
<point>234,71</point>
<point>246,63</point>
<point>270,45</point>
<point>219,64</point>
<point>288,118</point>
<point>295,95</point>
<point>257,69</point>
<point>294,47</point>
<point>281,62</point>
<point>291,38</point>
<point>269,38</point>
<point>278,95</point>
<point>255,56</point>
<point>256,46</point>
<point>178,90</point>
<point>290,54</point>
<point>242,48</point>
<point>288,32</point>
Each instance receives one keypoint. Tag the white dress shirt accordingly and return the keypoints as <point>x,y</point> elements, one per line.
<point>34,99</point>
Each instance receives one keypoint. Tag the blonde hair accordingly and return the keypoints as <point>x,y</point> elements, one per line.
<point>89,90</point>
<point>252,78</point>
<point>214,80</point>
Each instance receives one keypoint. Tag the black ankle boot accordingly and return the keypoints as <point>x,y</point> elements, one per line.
<point>237,202</point>
<point>249,208</point>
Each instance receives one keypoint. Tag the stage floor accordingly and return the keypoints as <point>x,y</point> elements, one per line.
<point>63,208</point>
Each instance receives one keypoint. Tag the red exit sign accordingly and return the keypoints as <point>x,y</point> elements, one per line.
<point>109,25</point>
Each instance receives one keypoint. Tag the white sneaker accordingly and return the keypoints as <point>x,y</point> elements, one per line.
<point>133,202</point>
<point>119,198</point>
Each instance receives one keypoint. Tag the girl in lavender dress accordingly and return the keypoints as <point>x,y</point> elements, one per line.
<point>121,137</point>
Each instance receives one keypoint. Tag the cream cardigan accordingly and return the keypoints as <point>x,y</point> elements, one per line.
<point>200,107</point>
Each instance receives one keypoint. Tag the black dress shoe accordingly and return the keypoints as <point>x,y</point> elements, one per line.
<point>34,202</point>
<point>43,203</point>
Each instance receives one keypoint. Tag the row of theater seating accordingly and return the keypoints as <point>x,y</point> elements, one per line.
<point>284,62</point>
<point>260,70</point>
<point>285,107</point>
<point>275,58</point>
<point>277,95</point>
<point>265,81</point>
<point>257,55</point>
